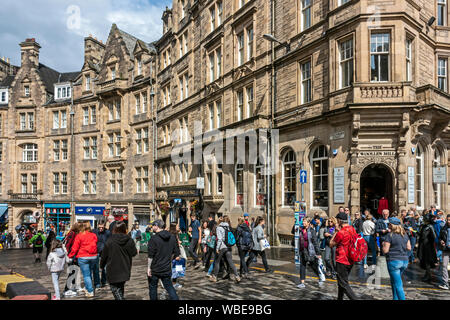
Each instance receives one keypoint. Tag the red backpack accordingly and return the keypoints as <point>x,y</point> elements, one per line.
<point>357,250</point>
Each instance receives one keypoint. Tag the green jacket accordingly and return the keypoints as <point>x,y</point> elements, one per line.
<point>35,237</point>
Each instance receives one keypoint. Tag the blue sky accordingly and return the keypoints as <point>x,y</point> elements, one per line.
<point>60,26</point>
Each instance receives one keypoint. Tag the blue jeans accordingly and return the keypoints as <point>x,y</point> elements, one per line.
<point>87,268</point>
<point>167,283</point>
<point>96,275</point>
<point>371,244</point>
<point>396,269</point>
<point>413,241</point>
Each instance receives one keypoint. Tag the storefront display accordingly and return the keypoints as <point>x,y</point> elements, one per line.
<point>93,214</point>
<point>142,216</point>
<point>57,218</point>
<point>120,214</point>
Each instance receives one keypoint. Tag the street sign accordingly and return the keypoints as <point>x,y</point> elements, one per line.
<point>200,183</point>
<point>339,185</point>
<point>303,176</point>
<point>440,174</point>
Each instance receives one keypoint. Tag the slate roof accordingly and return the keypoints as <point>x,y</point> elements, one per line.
<point>130,42</point>
<point>50,77</point>
<point>7,81</point>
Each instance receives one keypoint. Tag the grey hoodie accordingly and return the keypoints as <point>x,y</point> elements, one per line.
<point>57,259</point>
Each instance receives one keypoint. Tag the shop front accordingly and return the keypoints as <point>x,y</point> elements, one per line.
<point>142,216</point>
<point>120,214</point>
<point>93,214</point>
<point>57,218</point>
<point>182,203</point>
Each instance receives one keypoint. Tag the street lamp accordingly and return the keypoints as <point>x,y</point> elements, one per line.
<point>271,38</point>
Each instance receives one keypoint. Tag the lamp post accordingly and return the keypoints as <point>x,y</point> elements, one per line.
<point>270,150</point>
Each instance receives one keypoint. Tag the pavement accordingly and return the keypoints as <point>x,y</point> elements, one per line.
<point>280,285</point>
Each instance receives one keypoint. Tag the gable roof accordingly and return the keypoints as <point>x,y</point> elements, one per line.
<point>130,42</point>
<point>50,76</point>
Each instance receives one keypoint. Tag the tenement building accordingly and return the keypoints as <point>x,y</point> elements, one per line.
<point>78,146</point>
<point>353,92</point>
<point>357,89</point>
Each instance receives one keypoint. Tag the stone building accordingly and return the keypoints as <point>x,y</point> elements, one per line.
<point>78,146</point>
<point>360,97</point>
<point>6,68</point>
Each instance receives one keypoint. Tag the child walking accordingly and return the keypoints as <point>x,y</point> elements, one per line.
<point>55,262</point>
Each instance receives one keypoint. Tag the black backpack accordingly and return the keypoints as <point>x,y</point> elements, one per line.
<point>38,241</point>
<point>246,240</point>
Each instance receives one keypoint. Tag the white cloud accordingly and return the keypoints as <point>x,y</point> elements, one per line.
<point>60,26</point>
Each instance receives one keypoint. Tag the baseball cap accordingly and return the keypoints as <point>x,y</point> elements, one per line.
<point>342,216</point>
<point>246,214</point>
<point>395,221</point>
<point>159,223</point>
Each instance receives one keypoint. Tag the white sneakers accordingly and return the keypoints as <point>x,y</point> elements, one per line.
<point>70,293</point>
<point>301,286</point>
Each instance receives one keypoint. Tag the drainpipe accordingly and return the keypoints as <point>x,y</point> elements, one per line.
<point>155,155</point>
<point>72,155</point>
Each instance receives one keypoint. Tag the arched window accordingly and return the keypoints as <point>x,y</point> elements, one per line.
<point>30,152</point>
<point>289,179</point>
<point>239,184</point>
<point>437,186</point>
<point>319,177</point>
<point>419,178</point>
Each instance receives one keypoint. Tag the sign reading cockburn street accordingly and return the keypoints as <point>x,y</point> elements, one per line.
<point>376,153</point>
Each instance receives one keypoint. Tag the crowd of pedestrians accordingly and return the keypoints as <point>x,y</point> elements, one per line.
<point>326,245</point>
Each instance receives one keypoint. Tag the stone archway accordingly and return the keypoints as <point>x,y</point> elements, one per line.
<point>376,183</point>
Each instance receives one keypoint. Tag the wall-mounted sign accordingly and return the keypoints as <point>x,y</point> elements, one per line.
<point>200,183</point>
<point>376,153</point>
<point>440,174</point>
<point>411,186</point>
<point>337,135</point>
<point>339,185</point>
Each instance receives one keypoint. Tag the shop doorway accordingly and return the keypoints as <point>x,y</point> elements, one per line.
<point>376,183</point>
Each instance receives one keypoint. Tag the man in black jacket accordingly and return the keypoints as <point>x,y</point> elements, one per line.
<point>162,248</point>
<point>103,235</point>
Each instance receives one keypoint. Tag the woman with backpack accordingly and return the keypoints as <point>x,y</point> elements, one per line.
<point>211,242</point>
<point>56,261</point>
<point>37,241</point>
<point>117,257</point>
<point>330,253</point>
<point>396,247</point>
<point>223,249</point>
<point>244,243</point>
<point>309,253</point>
<point>257,236</point>
<point>85,250</point>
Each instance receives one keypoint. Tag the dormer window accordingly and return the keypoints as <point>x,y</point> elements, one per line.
<point>63,91</point>
<point>3,96</point>
<point>113,73</point>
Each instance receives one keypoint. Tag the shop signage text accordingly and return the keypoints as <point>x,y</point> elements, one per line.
<point>376,153</point>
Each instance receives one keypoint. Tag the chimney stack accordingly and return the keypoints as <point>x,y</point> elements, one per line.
<point>30,52</point>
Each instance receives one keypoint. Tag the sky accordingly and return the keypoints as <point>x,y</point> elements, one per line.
<point>60,26</point>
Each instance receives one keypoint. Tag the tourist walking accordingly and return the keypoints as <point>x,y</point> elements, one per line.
<point>136,235</point>
<point>444,242</point>
<point>257,236</point>
<point>103,235</point>
<point>117,256</point>
<point>223,249</point>
<point>73,270</point>
<point>330,253</point>
<point>56,260</point>
<point>204,237</point>
<point>396,247</point>
<point>426,252</point>
<point>195,230</point>
<point>175,231</point>
<point>162,249</point>
<point>368,231</point>
<point>85,250</point>
<point>411,228</point>
<point>37,241</point>
<point>342,240</point>
<point>48,242</point>
<point>9,240</point>
<point>244,243</point>
<point>308,246</point>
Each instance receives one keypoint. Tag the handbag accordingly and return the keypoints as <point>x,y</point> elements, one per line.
<point>183,253</point>
<point>264,244</point>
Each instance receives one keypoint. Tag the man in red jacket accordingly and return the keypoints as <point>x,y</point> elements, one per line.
<point>342,240</point>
